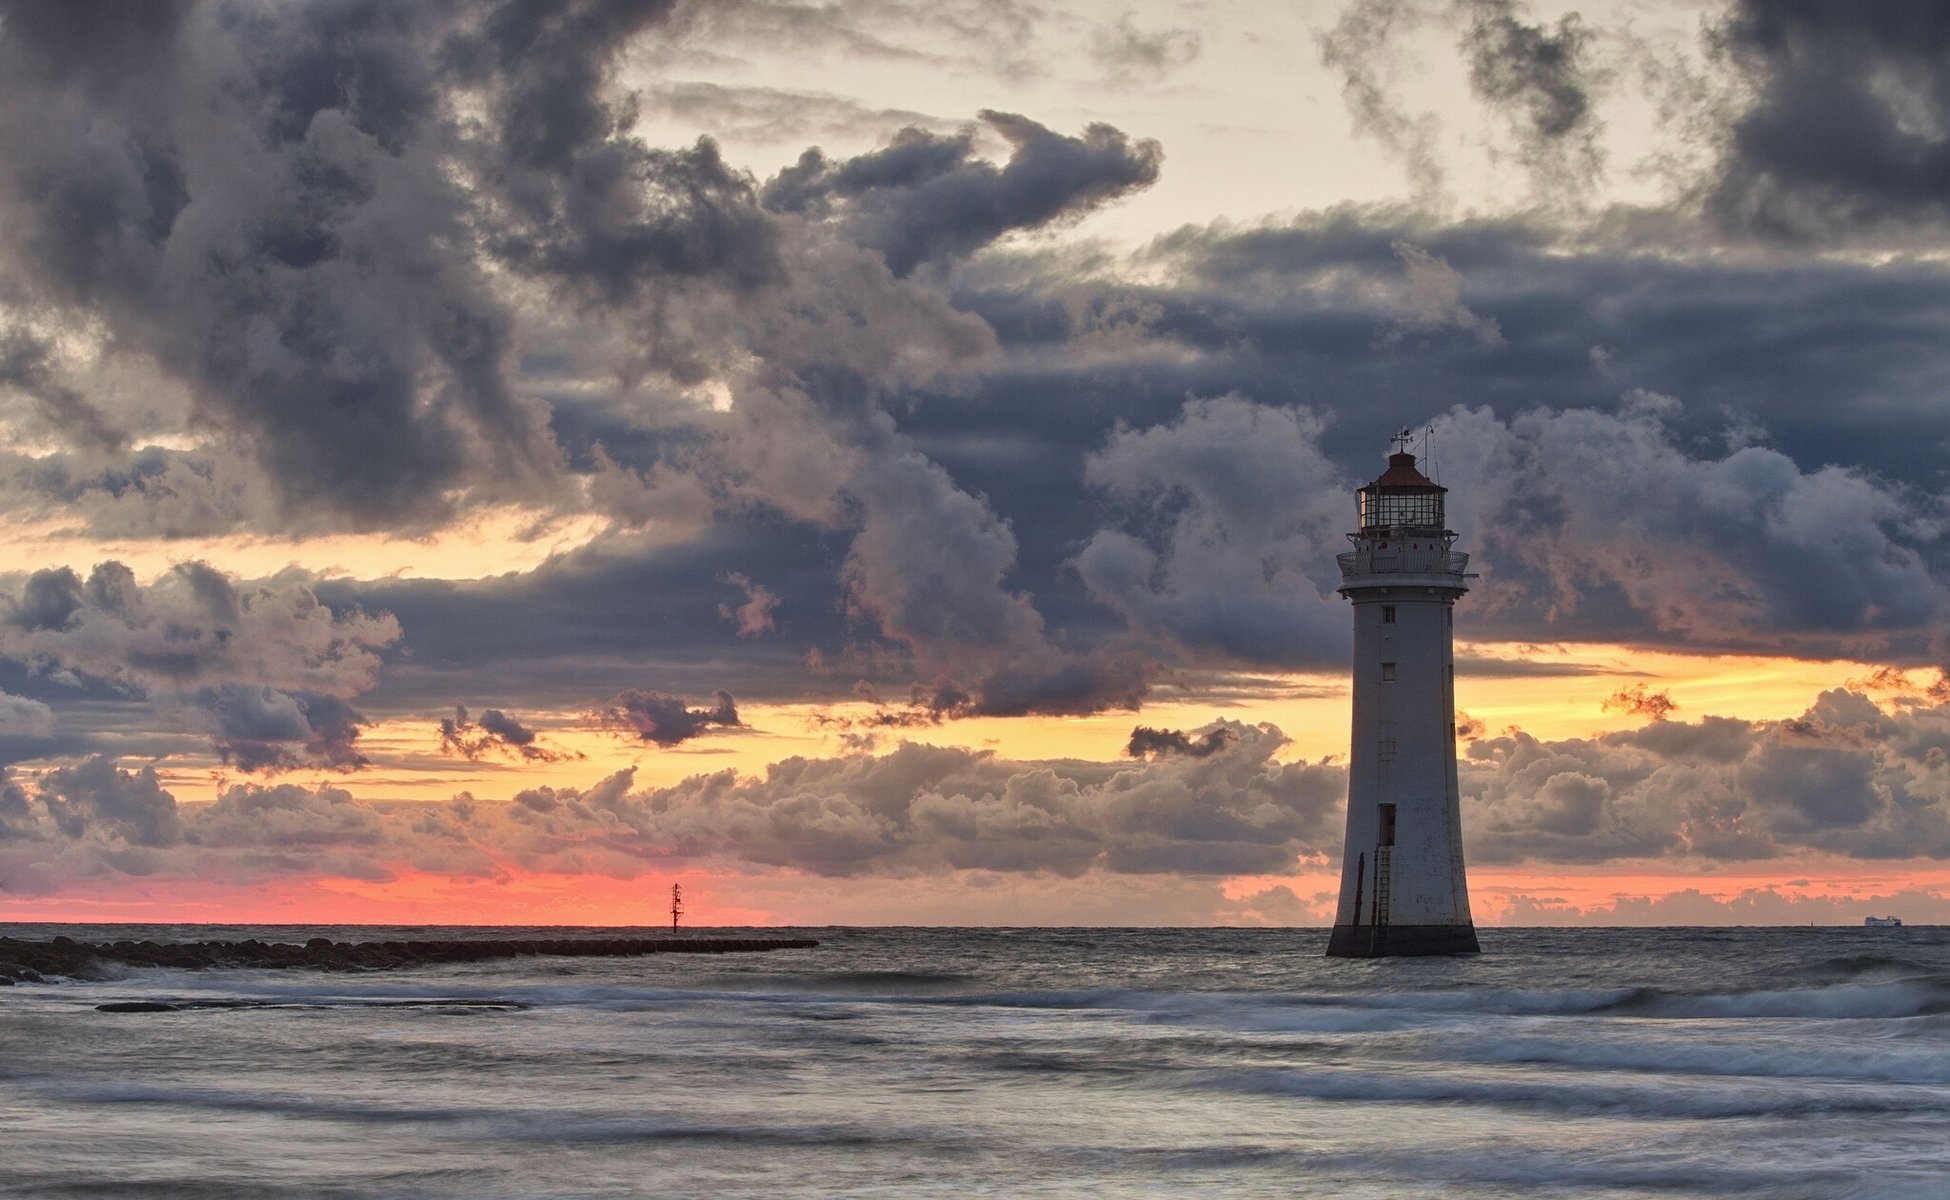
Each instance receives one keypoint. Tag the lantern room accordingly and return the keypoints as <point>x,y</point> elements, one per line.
<point>1402,501</point>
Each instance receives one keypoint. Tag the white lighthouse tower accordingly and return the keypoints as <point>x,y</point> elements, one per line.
<point>1402,885</point>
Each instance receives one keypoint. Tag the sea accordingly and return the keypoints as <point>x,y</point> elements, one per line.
<point>897,1062</point>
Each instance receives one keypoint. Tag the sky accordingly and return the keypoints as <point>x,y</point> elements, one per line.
<point>881,461</point>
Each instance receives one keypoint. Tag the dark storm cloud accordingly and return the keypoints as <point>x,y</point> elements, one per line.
<point>391,190</point>
<point>1247,514</point>
<point>298,150</point>
<point>1066,509</point>
<point>1286,318</point>
<point>666,720</point>
<point>27,730</point>
<point>1147,742</point>
<point>1022,486</point>
<point>263,729</point>
<point>27,367</point>
<point>495,733</point>
<point>353,346</point>
<point>1719,549</point>
<point>926,198</point>
<point>1849,125</point>
<point>572,632</point>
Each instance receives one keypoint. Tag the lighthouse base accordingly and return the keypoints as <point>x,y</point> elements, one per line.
<point>1388,941</point>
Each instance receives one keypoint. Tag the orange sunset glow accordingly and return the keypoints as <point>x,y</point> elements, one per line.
<point>879,481</point>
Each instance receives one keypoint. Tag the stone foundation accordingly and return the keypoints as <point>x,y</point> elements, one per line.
<point>1387,941</point>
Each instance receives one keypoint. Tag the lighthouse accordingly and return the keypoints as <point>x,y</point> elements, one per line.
<point>1402,885</point>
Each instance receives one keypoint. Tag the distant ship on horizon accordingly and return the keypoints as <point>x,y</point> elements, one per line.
<point>1883,922</point>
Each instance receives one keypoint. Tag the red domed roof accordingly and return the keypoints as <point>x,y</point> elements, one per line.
<point>1402,473</point>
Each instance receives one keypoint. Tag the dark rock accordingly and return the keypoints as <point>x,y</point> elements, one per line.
<point>30,962</point>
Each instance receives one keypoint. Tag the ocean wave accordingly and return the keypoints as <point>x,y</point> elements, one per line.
<point>1835,1002</point>
<point>1794,1056</point>
<point>1642,1097</point>
<point>1843,1001</point>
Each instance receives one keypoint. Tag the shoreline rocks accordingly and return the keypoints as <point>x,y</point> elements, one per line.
<point>36,962</point>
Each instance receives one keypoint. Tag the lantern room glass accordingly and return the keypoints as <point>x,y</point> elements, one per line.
<point>1401,510</point>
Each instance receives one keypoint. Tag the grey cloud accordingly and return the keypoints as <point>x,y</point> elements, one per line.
<point>27,366</point>
<point>357,346</point>
<point>1288,314</point>
<point>264,729</point>
<point>285,819</point>
<point>354,360</point>
<point>1244,513</point>
<point>148,491</point>
<point>1060,683</point>
<point>318,186</point>
<point>1360,47</point>
<point>754,616</point>
<point>1147,742</point>
<point>917,809</point>
<point>930,567</point>
<point>49,598</point>
<point>265,669</point>
<point>1845,778</point>
<point>927,198</point>
<point>666,720</point>
<point>1482,666</point>
<point>1543,76</point>
<point>625,216</point>
<point>1431,298</point>
<point>192,626</point>
<point>28,728</point>
<point>1129,54</point>
<point>1849,126</point>
<point>97,797</point>
<point>1737,548</point>
<point>495,733</point>
<point>923,808</point>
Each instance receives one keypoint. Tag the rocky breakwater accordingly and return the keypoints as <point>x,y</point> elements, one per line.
<point>36,962</point>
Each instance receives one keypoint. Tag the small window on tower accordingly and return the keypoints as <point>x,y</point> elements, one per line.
<point>1387,614</point>
<point>1387,672</point>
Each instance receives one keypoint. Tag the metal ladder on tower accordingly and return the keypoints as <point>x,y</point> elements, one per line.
<point>1383,876</point>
